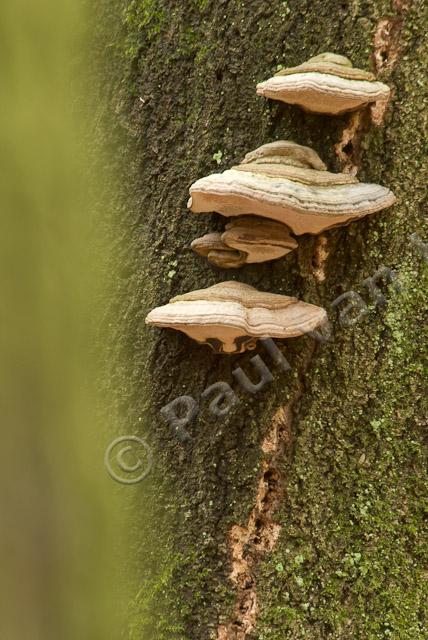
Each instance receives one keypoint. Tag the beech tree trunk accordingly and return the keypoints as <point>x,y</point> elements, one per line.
<point>301,513</point>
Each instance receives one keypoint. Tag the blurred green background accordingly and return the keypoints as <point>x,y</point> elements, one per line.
<point>63,538</point>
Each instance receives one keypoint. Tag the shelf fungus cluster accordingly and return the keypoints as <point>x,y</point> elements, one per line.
<point>327,84</point>
<point>279,190</point>
<point>246,240</point>
<point>290,184</point>
<point>231,316</point>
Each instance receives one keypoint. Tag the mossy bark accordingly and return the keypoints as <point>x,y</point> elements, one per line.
<point>348,486</point>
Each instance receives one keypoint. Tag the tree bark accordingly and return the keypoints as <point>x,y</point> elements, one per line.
<point>300,514</point>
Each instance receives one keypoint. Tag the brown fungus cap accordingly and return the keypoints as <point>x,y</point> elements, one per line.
<point>231,316</point>
<point>212,247</point>
<point>246,240</point>
<point>327,84</point>
<point>332,63</point>
<point>306,199</point>
<point>259,238</point>
<point>298,174</point>
<point>286,152</point>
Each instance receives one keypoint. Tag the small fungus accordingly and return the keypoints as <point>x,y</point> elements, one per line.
<point>327,84</point>
<point>231,316</point>
<point>246,240</point>
<point>212,247</point>
<point>290,186</point>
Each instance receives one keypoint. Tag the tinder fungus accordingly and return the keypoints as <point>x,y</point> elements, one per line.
<point>327,83</point>
<point>246,240</point>
<point>231,316</point>
<point>289,183</point>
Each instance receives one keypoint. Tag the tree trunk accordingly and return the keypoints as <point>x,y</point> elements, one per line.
<point>300,513</point>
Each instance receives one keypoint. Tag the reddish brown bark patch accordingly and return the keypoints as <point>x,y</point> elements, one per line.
<point>248,544</point>
<point>386,51</point>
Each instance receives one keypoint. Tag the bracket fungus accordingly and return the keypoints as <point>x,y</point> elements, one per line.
<point>246,240</point>
<point>327,84</point>
<point>288,183</point>
<point>231,316</point>
<point>212,247</point>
